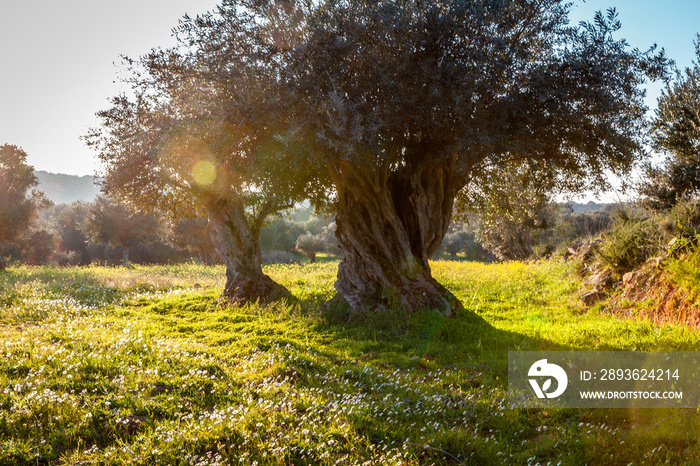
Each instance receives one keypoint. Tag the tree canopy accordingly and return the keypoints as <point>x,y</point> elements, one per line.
<point>676,132</point>
<point>111,224</point>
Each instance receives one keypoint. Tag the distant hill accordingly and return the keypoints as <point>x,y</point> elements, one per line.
<point>64,189</point>
<point>588,207</point>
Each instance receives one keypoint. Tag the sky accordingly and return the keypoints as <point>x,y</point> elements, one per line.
<point>57,61</point>
<point>57,69</point>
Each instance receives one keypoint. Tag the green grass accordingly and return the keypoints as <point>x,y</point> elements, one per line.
<point>145,365</point>
<point>685,270</point>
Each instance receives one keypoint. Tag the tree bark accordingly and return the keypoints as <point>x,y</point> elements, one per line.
<point>125,256</point>
<point>528,238</point>
<point>237,245</point>
<point>388,226</point>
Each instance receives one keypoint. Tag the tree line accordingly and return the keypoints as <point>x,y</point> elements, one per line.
<point>107,232</point>
<point>387,115</point>
<point>37,232</point>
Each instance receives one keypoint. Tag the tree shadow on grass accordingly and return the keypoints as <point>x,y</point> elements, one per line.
<point>465,339</point>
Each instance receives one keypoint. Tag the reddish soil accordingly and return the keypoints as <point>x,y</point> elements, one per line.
<point>655,296</point>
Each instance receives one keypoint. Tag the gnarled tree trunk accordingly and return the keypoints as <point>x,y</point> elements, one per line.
<point>388,226</point>
<point>237,245</point>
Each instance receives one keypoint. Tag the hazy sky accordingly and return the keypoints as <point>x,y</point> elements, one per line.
<point>57,61</point>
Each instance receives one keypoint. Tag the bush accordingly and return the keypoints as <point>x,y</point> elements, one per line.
<point>684,219</point>
<point>632,239</point>
<point>279,257</point>
<point>686,270</point>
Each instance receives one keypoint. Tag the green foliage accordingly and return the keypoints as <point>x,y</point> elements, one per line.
<point>460,243</point>
<point>633,238</point>
<point>439,54</point>
<point>568,227</point>
<point>112,224</point>
<point>145,366</point>
<point>512,203</point>
<point>676,125</point>
<point>68,223</point>
<point>664,186</point>
<point>685,270</point>
<point>310,245</point>
<point>302,230</point>
<point>324,241</point>
<point>684,219</point>
<point>190,233</point>
<point>456,242</point>
<point>280,235</point>
<point>510,236</point>
<point>676,132</point>
<point>19,201</point>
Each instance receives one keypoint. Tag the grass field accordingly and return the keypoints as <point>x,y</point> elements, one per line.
<point>144,365</point>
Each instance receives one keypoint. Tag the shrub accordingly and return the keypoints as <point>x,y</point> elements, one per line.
<point>686,270</point>
<point>631,240</point>
<point>684,219</point>
<point>279,257</point>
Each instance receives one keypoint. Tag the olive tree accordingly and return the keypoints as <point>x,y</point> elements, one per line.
<point>410,102</point>
<point>196,133</point>
<point>111,224</point>
<point>513,202</point>
<point>676,132</point>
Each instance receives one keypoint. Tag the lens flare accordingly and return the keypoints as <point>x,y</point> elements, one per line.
<point>204,173</point>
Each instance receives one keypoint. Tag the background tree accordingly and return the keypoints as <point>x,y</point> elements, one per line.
<point>40,247</point>
<point>310,244</point>
<point>676,132</point>
<point>115,225</point>
<point>191,234</point>
<point>509,237</point>
<point>455,242</point>
<point>280,234</point>
<point>663,187</point>
<point>461,237</point>
<point>318,236</point>
<point>68,225</point>
<point>404,104</point>
<point>513,203</point>
<point>19,201</point>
